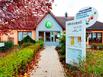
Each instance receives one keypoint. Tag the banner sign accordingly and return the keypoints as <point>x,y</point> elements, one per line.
<point>75,41</point>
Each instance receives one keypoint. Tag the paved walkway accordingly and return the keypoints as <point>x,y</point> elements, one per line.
<point>49,65</point>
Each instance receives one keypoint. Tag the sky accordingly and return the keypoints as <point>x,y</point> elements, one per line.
<point>73,6</point>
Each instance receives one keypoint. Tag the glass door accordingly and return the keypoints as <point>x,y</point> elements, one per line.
<point>47,36</point>
<point>52,36</point>
<point>56,36</point>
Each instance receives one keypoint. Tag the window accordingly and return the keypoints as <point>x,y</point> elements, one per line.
<point>95,37</point>
<point>22,35</point>
<point>25,34</point>
<point>99,37</point>
<point>30,34</point>
<point>41,35</point>
<point>57,36</point>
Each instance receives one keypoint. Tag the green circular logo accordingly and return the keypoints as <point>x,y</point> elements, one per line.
<point>48,24</point>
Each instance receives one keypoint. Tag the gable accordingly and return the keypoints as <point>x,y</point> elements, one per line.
<point>51,21</point>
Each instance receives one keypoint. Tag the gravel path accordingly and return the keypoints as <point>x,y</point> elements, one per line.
<point>49,65</point>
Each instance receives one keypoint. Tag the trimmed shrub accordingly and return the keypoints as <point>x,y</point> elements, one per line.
<point>27,39</point>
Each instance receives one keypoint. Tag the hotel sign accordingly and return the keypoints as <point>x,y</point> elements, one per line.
<point>90,14</point>
<point>75,42</point>
<point>76,35</point>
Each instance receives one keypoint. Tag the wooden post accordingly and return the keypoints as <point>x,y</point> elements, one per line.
<point>102,37</point>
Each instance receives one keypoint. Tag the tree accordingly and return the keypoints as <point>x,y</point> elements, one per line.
<point>21,13</point>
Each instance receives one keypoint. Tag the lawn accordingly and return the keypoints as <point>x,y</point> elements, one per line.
<point>11,64</point>
<point>92,67</point>
<point>94,63</point>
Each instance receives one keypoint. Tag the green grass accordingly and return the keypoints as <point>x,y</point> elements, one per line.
<point>10,63</point>
<point>92,67</point>
<point>94,63</point>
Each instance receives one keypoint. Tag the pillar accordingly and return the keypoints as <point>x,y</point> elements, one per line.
<point>44,36</point>
<point>102,37</point>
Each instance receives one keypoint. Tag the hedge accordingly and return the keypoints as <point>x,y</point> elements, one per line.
<point>8,45</point>
<point>10,64</point>
<point>27,39</point>
<point>98,46</point>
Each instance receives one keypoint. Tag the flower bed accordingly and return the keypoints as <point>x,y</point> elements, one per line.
<point>11,64</point>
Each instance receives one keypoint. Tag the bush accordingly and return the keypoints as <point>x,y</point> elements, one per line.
<point>27,39</point>
<point>2,48</point>
<point>41,42</point>
<point>26,45</point>
<point>58,48</point>
<point>8,45</point>
<point>100,46</point>
<point>10,64</point>
<point>61,49</point>
<point>97,46</point>
<point>62,43</point>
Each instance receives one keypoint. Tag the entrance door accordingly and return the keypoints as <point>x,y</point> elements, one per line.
<point>51,38</point>
<point>48,39</point>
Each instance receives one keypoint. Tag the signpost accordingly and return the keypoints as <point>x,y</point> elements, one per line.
<point>76,35</point>
<point>75,42</point>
